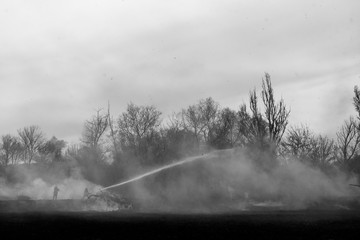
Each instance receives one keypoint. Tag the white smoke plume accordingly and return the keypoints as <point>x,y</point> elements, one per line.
<point>39,185</point>
<point>221,180</point>
<point>227,179</point>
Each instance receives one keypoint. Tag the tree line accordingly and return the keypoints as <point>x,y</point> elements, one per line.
<point>139,138</point>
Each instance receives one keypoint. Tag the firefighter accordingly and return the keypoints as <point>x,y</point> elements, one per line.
<point>56,190</point>
<point>86,193</point>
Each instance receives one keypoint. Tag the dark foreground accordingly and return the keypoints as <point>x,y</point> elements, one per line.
<point>340,224</point>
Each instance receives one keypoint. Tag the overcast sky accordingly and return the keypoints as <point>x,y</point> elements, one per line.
<point>61,60</point>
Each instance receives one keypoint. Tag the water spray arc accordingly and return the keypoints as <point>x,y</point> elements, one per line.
<point>187,160</point>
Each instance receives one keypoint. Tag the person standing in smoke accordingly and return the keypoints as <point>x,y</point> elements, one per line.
<point>86,193</point>
<point>56,190</point>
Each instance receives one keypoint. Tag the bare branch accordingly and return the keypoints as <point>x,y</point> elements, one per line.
<point>348,141</point>
<point>32,138</point>
<point>95,128</point>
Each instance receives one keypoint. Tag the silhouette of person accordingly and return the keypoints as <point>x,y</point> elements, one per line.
<point>86,193</point>
<point>56,190</point>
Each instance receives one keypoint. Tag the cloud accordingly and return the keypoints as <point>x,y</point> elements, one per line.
<point>60,61</point>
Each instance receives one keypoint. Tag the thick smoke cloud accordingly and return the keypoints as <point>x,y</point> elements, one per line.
<point>228,180</point>
<point>222,180</point>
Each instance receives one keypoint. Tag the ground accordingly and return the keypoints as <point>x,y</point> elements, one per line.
<point>336,224</point>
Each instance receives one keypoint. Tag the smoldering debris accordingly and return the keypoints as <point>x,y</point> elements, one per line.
<point>107,201</point>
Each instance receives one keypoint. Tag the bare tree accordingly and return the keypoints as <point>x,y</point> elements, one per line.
<point>178,140</point>
<point>18,152</point>
<point>94,129</point>
<point>348,140</point>
<point>72,151</point>
<point>137,123</point>
<point>201,119</point>
<point>276,114</point>
<point>298,143</point>
<point>192,121</point>
<point>10,148</point>
<point>225,129</point>
<point>7,141</point>
<point>303,145</point>
<point>209,115</point>
<point>113,133</point>
<point>243,126</point>
<point>256,125</point>
<point>323,152</point>
<point>357,100</point>
<point>32,138</point>
<point>237,128</point>
<point>175,122</point>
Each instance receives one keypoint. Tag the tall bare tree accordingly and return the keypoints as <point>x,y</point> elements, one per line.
<point>113,134</point>
<point>357,100</point>
<point>276,113</point>
<point>257,131</point>
<point>32,138</point>
<point>243,126</point>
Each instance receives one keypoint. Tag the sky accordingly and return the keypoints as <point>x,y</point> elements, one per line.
<point>62,60</point>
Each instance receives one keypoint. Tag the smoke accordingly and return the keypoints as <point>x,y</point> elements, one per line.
<point>38,189</point>
<point>228,180</point>
<point>38,184</point>
<point>223,180</point>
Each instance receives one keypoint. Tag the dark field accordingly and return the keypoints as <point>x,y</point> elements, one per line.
<point>340,224</point>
